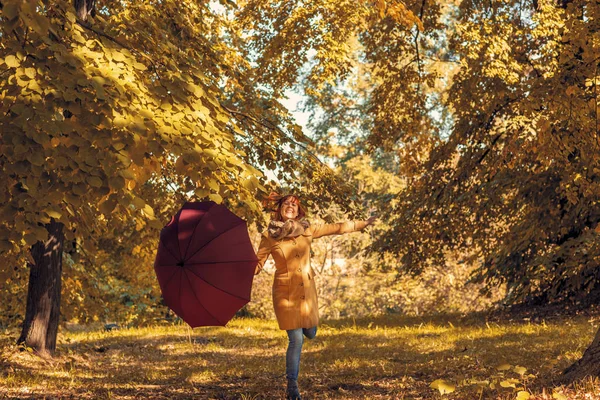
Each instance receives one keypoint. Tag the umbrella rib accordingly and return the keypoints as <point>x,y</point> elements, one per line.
<point>194,231</point>
<point>170,252</point>
<point>208,283</point>
<point>170,279</point>
<point>207,243</point>
<point>199,302</point>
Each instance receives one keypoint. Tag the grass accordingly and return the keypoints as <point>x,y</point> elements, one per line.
<point>391,357</point>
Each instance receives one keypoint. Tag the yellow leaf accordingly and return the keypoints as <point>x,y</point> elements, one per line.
<point>146,113</point>
<point>503,367</point>
<point>99,80</point>
<point>53,214</point>
<point>71,17</point>
<point>30,72</point>
<point>214,185</point>
<point>215,197</point>
<point>520,370</point>
<point>148,211</point>
<point>12,61</point>
<point>523,395</point>
<point>155,224</point>
<point>202,193</point>
<point>559,396</point>
<point>120,122</point>
<point>443,386</point>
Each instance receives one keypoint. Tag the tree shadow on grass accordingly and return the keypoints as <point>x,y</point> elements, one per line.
<point>387,360</point>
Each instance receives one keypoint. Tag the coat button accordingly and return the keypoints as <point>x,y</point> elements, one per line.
<point>302,297</point>
<point>294,242</point>
<point>302,284</point>
<point>299,269</point>
<point>297,255</point>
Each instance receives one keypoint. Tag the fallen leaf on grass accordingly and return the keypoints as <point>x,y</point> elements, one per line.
<point>520,370</point>
<point>509,383</point>
<point>523,395</point>
<point>559,396</point>
<point>443,386</point>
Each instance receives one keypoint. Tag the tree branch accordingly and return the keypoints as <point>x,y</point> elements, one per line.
<point>419,67</point>
<point>273,126</point>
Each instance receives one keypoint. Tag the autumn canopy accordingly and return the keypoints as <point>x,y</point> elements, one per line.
<point>471,126</point>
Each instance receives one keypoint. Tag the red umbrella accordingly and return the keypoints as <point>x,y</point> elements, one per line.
<point>205,264</point>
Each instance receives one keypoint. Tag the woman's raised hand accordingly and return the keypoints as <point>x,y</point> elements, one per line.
<point>371,219</point>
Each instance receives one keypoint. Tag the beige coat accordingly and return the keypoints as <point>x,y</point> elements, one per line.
<point>294,291</point>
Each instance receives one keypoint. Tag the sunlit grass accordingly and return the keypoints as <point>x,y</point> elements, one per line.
<point>389,357</point>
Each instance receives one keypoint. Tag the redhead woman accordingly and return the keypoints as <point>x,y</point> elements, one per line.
<point>288,240</point>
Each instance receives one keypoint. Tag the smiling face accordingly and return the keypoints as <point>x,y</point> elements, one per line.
<point>289,208</point>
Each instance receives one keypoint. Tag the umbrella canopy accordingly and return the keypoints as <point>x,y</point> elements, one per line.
<point>205,264</point>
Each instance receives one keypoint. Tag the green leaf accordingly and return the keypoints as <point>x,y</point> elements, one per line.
<point>30,239</point>
<point>11,9</point>
<point>36,158</point>
<point>80,189</point>
<point>107,206</point>
<point>138,203</point>
<point>5,246</point>
<point>94,181</point>
<point>443,386</point>
<point>116,182</point>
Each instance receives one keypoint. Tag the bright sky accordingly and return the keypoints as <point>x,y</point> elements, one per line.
<point>292,104</point>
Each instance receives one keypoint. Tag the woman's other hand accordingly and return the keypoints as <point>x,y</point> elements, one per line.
<point>371,219</point>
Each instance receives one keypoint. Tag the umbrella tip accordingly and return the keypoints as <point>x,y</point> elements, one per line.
<point>180,264</point>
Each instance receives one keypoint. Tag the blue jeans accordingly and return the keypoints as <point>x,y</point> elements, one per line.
<point>292,357</point>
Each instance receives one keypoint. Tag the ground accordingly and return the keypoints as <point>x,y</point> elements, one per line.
<point>388,357</point>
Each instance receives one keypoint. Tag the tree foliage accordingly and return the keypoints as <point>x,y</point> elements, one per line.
<point>491,111</point>
<point>109,123</point>
<point>516,181</point>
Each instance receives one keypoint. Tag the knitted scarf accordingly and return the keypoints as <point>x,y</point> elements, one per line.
<point>290,228</point>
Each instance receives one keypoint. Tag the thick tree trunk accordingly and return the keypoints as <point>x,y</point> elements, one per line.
<point>588,365</point>
<point>40,327</point>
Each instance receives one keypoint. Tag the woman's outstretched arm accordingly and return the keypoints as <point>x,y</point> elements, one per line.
<point>342,227</point>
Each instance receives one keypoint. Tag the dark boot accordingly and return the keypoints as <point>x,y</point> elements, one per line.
<point>292,392</point>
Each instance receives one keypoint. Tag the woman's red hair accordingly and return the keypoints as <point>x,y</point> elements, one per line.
<point>296,200</point>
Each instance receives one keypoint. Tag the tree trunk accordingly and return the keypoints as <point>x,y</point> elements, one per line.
<point>40,327</point>
<point>588,365</point>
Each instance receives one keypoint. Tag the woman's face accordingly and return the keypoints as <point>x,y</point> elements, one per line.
<point>289,209</point>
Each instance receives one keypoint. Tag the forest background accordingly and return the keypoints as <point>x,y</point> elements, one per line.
<point>470,126</point>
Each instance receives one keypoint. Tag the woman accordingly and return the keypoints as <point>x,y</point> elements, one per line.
<point>288,240</point>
